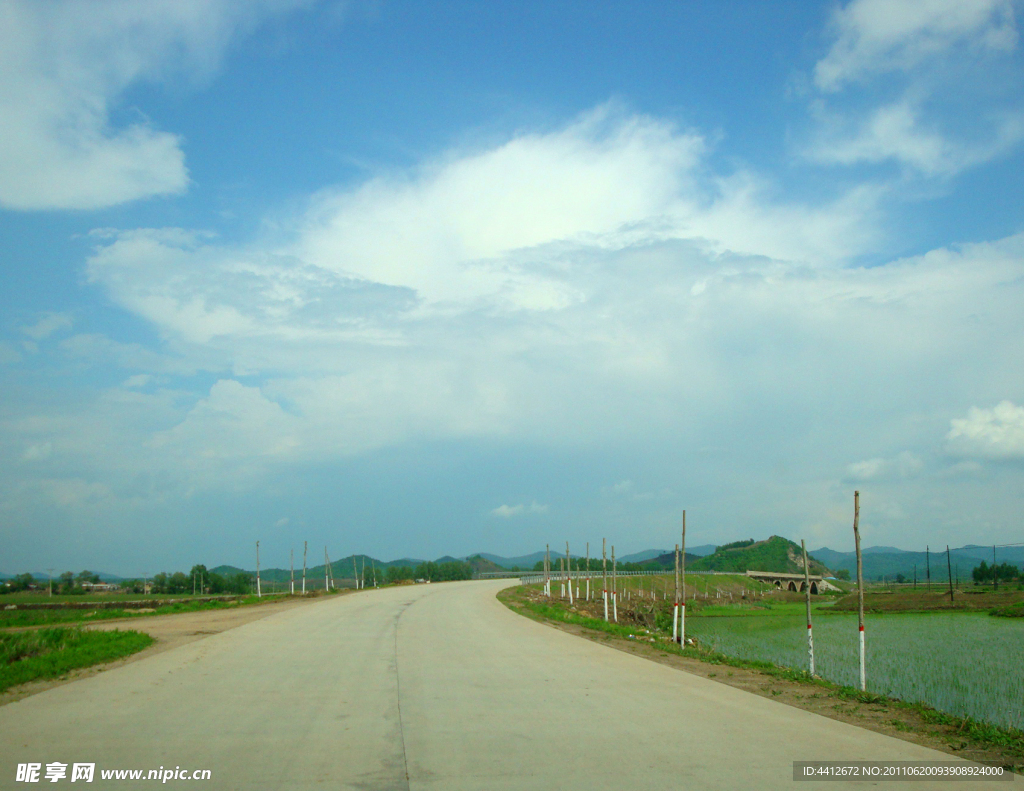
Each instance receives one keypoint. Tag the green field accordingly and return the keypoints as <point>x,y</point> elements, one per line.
<point>50,653</point>
<point>963,663</point>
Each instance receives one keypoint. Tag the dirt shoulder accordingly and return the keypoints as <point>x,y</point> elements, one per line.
<point>169,631</point>
<point>912,723</point>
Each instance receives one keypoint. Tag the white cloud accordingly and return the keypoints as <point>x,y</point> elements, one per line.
<point>903,465</point>
<point>508,511</point>
<point>48,324</point>
<point>62,67</point>
<point>878,36</point>
<point>996,433</point>
<point>38,452</point>
<point>940,58</point>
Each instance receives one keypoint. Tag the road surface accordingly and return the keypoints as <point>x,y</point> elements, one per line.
<point>425,687</point>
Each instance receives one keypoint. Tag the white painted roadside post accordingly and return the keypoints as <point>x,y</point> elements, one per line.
<point>604,575</point>
<point>568,572</point>
<point>259,593</point>
<point>807,587</point>
<point>305,547</point>
<point>682,573</point>
<point>561,565</point>
<point>860,589</point>
<point>293,571</point>
<point>327,567</point>
<point>547,570</point>
<point>615,588</point>
<point>675,606</point>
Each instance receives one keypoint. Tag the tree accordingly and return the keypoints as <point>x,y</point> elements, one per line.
<point>67,582</point>
<point>843,574</point>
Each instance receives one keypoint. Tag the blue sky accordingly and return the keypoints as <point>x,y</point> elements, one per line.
<point>415,279</point>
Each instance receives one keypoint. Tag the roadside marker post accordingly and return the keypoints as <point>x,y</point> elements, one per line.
<point>682,572</point>
<point>292,563</point>
<point>305,547</point>
<point>615,588</point>
<point>807,588</point>
<point>259,593</point>
<point>675,607</point>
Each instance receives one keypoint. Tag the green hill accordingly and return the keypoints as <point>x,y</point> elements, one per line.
<point>774,554</point>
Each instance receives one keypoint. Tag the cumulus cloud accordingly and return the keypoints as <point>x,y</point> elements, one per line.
<point>903,465</point>
<point>878,36</point>
<point>942,53</point>
<point>508,511</point>
<point>996,433</point>
<point>47,325</point>
<point>63,66</point>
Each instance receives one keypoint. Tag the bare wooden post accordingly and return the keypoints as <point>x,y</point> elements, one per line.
<point>860,588</point>
<point>568,571</point>
<point>547,570</point>
<point>682,574</point>
<point>292,563</point>
<point>675,606</point>
<point>327,566</point>
<point>807,588</point>
<point>355,572</point>
<point>604,576</point>
<point>928,566</point>
<point>950,567</point>
<point>588,571</point>
<point>995,577</point>
<point>305,546</point>
<point>615,588</point>
<point>259,592</point>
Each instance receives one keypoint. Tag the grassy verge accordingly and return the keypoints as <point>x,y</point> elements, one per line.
<point>15,618</point>
<point>50,653</point>
<point>957,735</point>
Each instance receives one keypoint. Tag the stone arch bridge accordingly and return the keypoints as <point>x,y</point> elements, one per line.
<point>792,582</point>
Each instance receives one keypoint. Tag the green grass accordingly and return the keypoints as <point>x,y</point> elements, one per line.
<point>50,653</point>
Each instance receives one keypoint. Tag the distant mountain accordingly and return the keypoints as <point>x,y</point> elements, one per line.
<point>702,550</point>
<point>774,554</point>
<point>522,561</point>
<point>647,554</point>
<point>482,565</point>
<point>879,565</point>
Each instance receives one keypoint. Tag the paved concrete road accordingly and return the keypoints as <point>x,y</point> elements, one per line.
<point>425,687</point>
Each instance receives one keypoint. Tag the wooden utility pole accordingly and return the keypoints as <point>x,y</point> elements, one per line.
<point>305,546</point>
<point>995,577</point>
<point>950,568</point>
<point>860,588</point>
<point>807,588</point>
<point>604,576</point>
<point>588,571</point>
<point>682,574</point>
<point>355,572</point>
<point>928,566</point>
<point>259,593</point>
<point>568,571</point>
